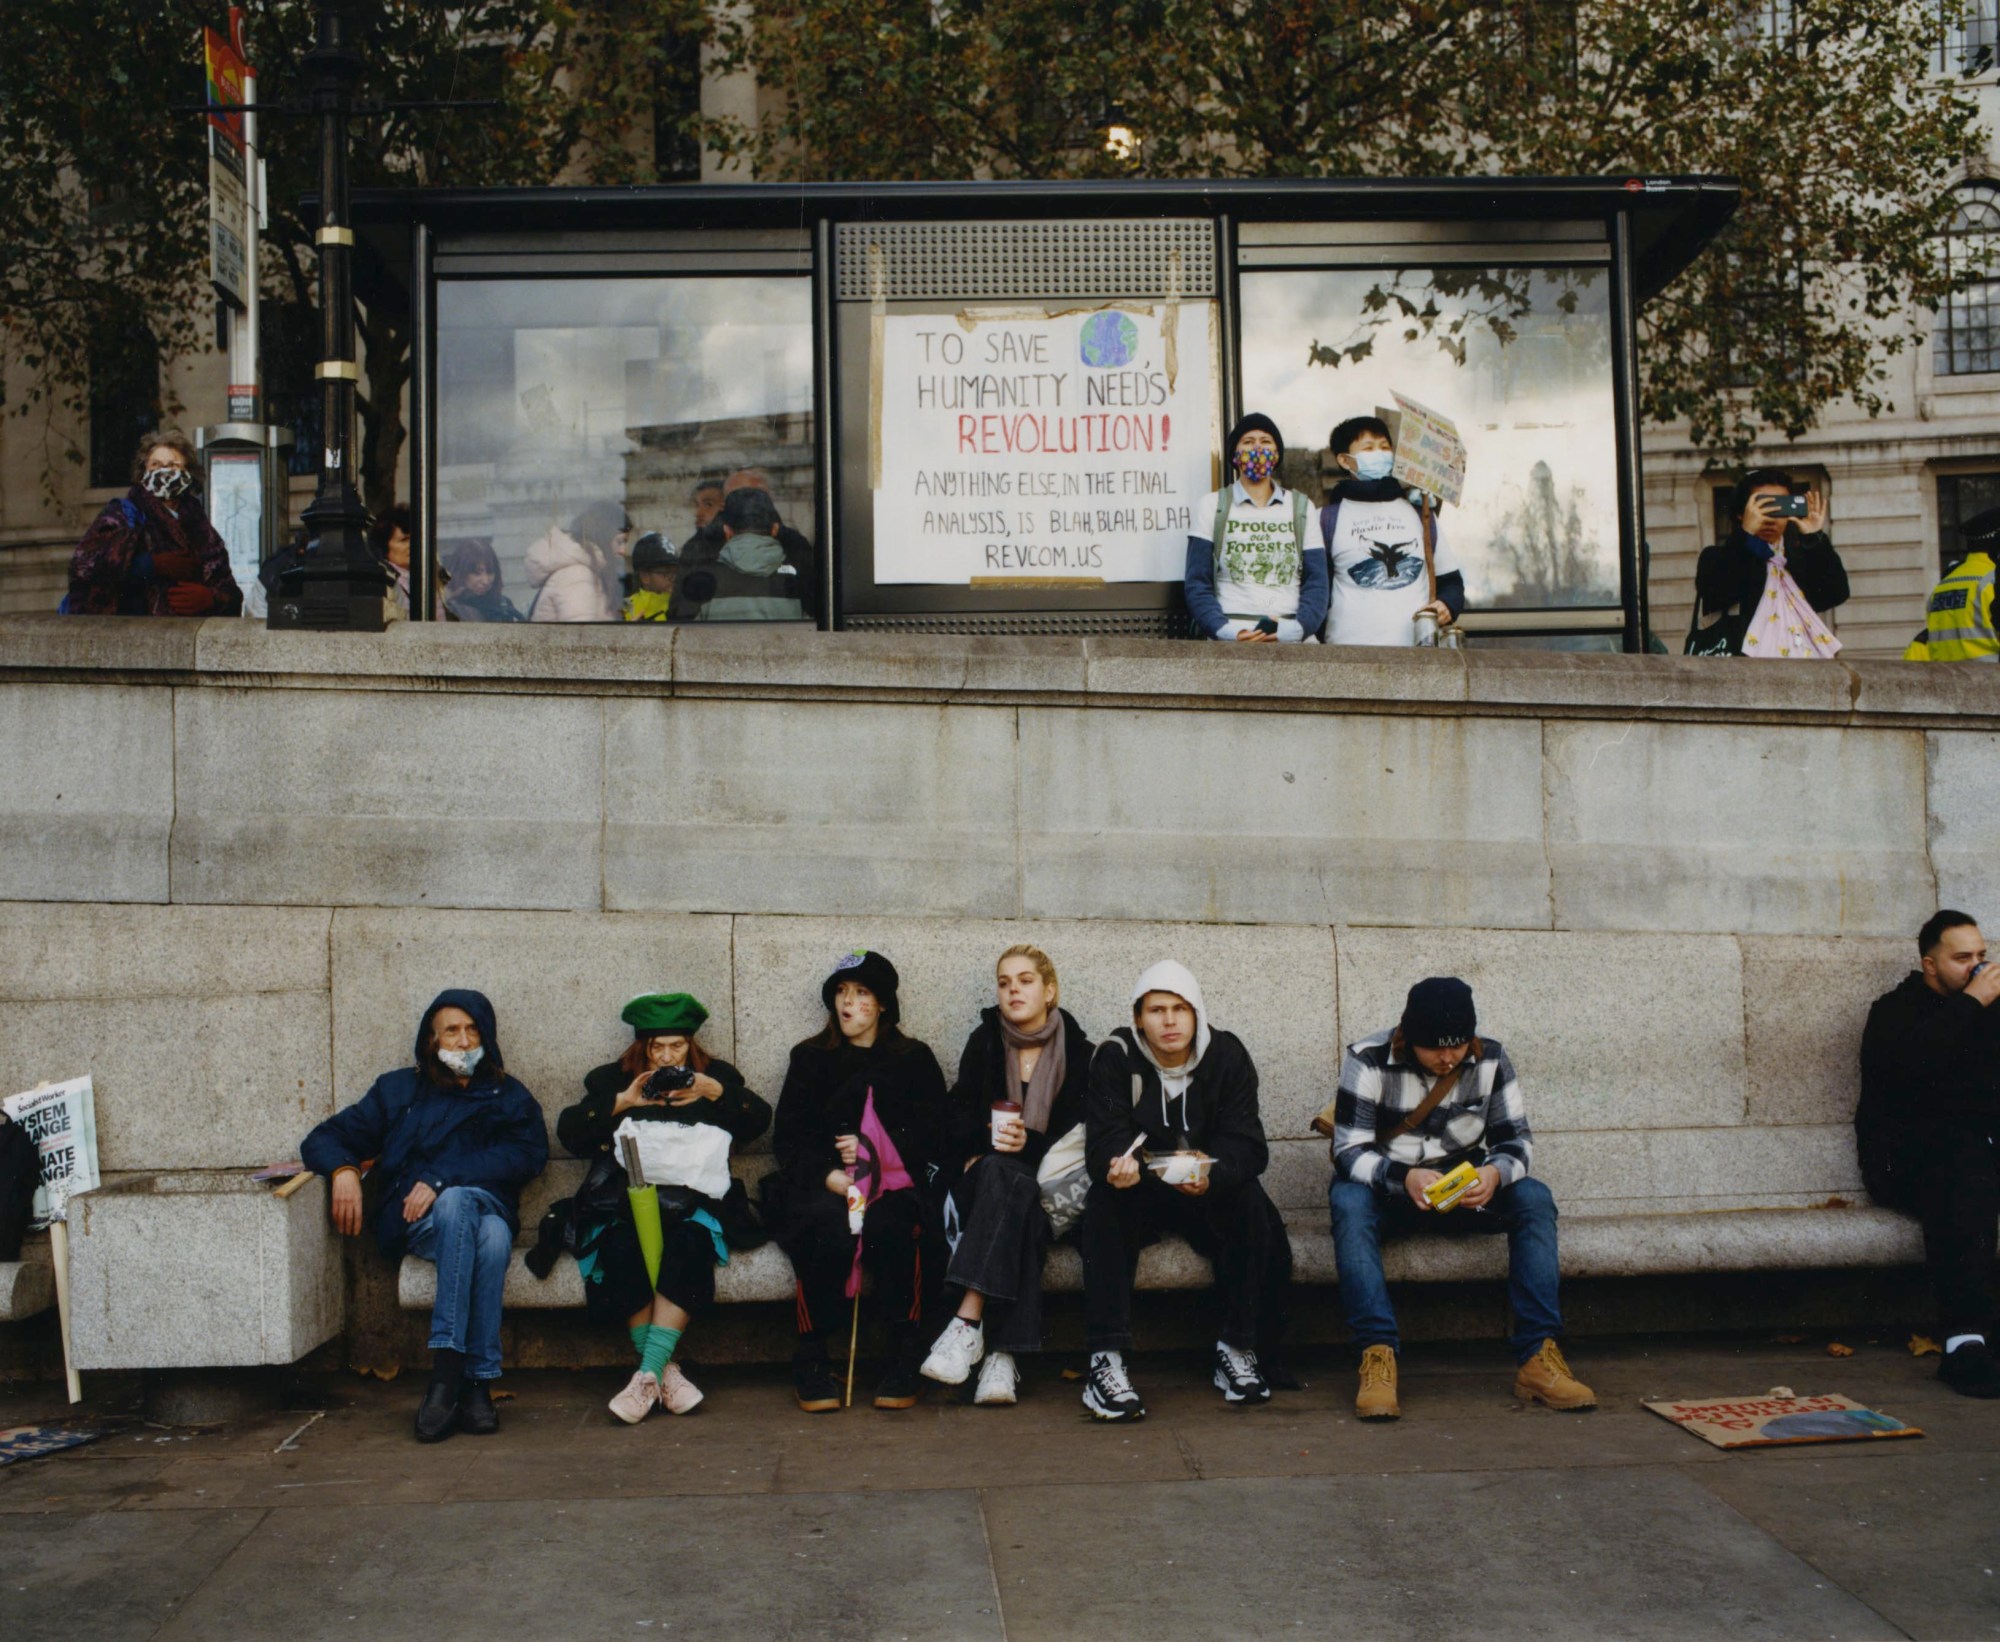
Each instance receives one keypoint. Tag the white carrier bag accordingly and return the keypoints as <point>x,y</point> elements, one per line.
<point>694,1155</point>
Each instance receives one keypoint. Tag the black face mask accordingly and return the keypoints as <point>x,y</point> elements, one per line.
<point>169,484</point>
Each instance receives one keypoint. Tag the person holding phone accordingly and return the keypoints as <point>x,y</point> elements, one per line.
<point>1256,568</point>
<point>665,1076</point>
<point>1781,545</point>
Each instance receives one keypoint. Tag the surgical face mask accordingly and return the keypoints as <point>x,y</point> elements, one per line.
<point>168,483</point>
<point>462,1061</point>
<point>1256,465</point>
<point>1374,464</point>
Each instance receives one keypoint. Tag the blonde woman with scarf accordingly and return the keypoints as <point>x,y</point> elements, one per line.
<point>1761,593</point>
<point>1021,1085</point>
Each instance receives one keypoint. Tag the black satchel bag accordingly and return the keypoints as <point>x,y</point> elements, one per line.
<point>20,1175</point>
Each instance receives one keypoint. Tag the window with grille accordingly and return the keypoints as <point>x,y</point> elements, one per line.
<point>1967,336</point>
<point>1961,496</point>
<point>1970,38</point>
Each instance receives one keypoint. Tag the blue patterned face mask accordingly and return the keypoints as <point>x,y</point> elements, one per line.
<point>462,1061</point>
<point>1374,464</point>
<point>1256,465</point>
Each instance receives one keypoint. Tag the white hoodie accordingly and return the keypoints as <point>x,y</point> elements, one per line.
<point>1169,976</point>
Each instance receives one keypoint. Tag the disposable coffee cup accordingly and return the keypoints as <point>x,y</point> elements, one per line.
<point>1003,1112</point>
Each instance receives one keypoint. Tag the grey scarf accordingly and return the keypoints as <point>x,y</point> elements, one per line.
<point>1047,1076</point>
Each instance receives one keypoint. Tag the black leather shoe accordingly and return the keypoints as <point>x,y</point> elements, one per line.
<point>437,1414</point>
<point>476,1414</point>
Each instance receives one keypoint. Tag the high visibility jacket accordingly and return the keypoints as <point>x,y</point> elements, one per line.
<point>1959,616</point>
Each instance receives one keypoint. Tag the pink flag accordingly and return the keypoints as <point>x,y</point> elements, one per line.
<point>878,1168</point>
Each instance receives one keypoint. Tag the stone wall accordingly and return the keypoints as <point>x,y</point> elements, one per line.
<point>235,865</point>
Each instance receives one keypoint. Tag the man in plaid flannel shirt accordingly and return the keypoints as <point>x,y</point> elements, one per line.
<point>1382,1163</point>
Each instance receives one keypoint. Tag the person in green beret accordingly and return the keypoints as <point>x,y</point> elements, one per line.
<point>697,1232</point>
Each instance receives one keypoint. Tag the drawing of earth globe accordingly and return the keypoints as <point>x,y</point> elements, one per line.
<point>1109,340</point>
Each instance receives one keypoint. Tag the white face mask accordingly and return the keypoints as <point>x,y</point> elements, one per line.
<point>462,1061</point>
<point>1374,464</point>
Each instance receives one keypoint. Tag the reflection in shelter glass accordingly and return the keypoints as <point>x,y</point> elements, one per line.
<point>585,429</point>
<point>1518,358</point>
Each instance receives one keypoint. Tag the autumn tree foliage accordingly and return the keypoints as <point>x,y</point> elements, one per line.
<point>1832,113</point>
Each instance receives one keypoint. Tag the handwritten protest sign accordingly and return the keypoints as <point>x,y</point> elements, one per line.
<point>1429,453</point>
<point>1030,446</point>
<point>1768,1422</point>
<point>61,1119</point>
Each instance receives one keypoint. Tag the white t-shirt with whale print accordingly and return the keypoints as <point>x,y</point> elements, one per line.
<point>1377,564</point>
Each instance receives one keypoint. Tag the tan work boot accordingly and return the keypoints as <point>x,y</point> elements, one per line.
<point>1376,1400</point>
<point>1545,1378</point>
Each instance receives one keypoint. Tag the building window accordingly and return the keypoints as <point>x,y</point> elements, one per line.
<point>1970,38</point>
<point>1765,20</point>
<point>124,400</point>
<point>1961,496</point>
<point>1519,359</point>
<point>579,417</point>
<point>677,109</point>
<point>1967,337</point>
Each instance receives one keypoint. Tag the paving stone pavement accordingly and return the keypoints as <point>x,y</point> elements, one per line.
<point>1472,1515</point>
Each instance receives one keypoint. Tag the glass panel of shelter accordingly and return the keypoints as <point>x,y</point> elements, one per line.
<point>1518,358</point>
<point>587,429</point>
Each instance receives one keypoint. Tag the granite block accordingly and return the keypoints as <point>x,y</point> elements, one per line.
<point>1272,986</point>
<point>1604,1031</point>
<point>1281,817</point>
<point>1758,829</point>
<point>557,981</point>
<point>801,806</point>
<point>1685,1169</point>
<point>533,654</point>
<point>197,1082</point>
<point>87,804</point>
<point>1171,670</point>
<point>85,953</point>
<point>201,1271</point>
<point>1964,821</point>
<point>1805,1001</point>
<point>27,1286</point>
<point>358,798</point>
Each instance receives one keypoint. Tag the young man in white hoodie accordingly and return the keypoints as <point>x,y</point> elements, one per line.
<point>1170,1088</point>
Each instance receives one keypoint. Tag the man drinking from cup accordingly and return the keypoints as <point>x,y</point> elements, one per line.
<point>1175,1144</point>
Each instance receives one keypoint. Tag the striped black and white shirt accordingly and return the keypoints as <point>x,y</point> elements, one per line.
<point>1379,1082</point>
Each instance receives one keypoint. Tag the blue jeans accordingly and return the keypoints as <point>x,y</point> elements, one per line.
<point>1525,1211</point>
<point>466,1234</point>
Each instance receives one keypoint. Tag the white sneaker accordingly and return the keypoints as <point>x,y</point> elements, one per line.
<point>1108,1392</point>
<point>678,1394</point>
<point>956,1353</point>
<point>638,1399</point>
<point>997,1381</point>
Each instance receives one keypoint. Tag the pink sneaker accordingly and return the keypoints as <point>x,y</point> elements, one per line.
<point>638,1399</point>
<point>677,1392</point>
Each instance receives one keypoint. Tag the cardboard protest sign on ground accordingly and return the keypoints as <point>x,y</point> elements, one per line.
<point>1429,453</point>
<point>1044,446</point>
<point>61,1119</point>
<point>1772,1422</point>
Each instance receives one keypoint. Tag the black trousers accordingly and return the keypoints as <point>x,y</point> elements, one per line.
<point>900,1249</point>
<point>1234,1228</point>
<point>687,1271</point>
<point>1001,1249</point>
<point>1953,1189</point>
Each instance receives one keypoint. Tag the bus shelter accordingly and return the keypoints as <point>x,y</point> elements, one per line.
<point>995,407</point>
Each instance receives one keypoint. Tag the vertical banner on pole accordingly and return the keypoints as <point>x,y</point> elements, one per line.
<point>228,192</point>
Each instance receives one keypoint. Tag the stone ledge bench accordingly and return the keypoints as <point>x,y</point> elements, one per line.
<point>1653,1243</point>
<point>27,1285</point>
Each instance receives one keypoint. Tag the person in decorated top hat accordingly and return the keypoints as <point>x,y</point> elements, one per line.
<point>1416,1101</point>
<point>665,1076</point>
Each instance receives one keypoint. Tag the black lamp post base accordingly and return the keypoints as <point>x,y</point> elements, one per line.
<point>328,604</point>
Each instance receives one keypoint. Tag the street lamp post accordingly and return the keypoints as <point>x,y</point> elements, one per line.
<point>341,584</point>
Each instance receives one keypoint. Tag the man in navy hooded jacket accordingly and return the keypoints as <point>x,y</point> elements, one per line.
<point>454,1139</point>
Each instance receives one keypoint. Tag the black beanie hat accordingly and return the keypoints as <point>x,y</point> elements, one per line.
<point>869,969</point>
<point>1253,422</point>
<point>1439,1014</point>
